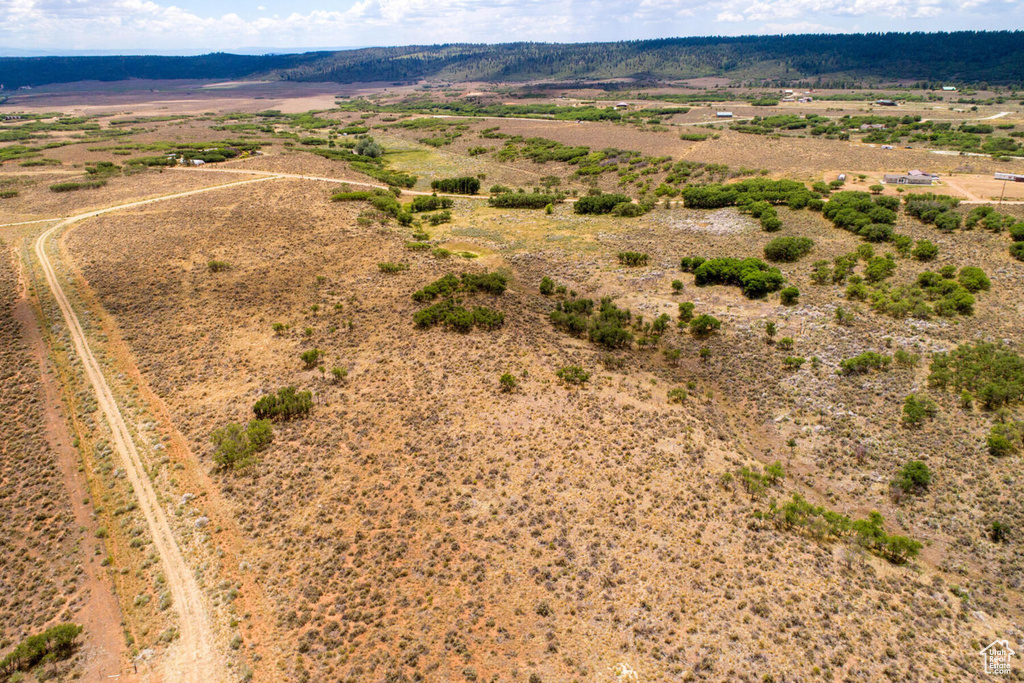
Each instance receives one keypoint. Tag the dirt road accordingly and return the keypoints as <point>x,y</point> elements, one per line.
<point>194,658</point>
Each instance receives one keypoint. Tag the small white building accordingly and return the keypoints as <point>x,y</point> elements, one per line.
<point>949,88</point>
<point>724,114</point>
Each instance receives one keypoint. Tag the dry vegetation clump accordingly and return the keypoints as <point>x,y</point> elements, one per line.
<point>421,523</point>
<point>40,578</point>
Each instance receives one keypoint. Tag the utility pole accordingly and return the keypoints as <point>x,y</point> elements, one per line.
<point>1002,193</point>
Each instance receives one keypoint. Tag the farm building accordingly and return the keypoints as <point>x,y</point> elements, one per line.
<point>1015,177</point>
<point>910,178</point>
<point>724,114</point>
<point>885,103</point>
<point>872,126</point>
<point>622,105</point>
<point>949,88</point>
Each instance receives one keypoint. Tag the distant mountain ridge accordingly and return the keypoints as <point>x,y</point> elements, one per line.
<point>995,57</point>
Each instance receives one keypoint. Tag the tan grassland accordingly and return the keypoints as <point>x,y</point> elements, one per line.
<point>423,525</point>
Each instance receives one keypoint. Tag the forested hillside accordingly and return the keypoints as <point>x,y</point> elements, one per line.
<point>967,56</point>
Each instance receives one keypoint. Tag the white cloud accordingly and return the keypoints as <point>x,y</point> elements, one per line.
<point>799,10</point>
<point>126,24</point>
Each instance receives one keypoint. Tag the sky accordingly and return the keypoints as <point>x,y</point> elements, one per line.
<point>147,26</point>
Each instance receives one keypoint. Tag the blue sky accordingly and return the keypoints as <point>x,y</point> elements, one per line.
<point>62,26</point>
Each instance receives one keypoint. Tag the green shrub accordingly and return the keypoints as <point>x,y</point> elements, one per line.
<point>599,204</point>
<point>236,446</point>
<point>788,249</point>
<point>686,311</point>
<point>917,408</point>
<point>974,279</point>
<point>573,374</point>
<point>54,644</point>
<point>632,258</point>
<point>547,286</point>
<point>691,263</point>
<point>677,395</point>
<point>914,477</point>
<point>925,250</point>
<point>704,324</point>
<point>508,382</point>
<point>72,186</point>
<point>677,286</point>
<point>1017,250</point>
<point>462,185</point>
<point>754,276</point>
<point>439,217</point>
<point>218,266</point>
<point>1004,439</point>
<point>793,362</point>
<point>388,267</point>
<point>286,404</point>
<point>869,360</point>
<point>789,296</point>
<point>991,372</point>
<point>523,200</point>
<point>311,357</point>
<point>430,203</point>
<point>906,359</point>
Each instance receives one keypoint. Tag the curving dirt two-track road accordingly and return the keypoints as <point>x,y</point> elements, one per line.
<point>194,658</point>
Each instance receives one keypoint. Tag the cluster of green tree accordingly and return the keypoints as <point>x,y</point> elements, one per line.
<point>462,185</point>
<point>385,201</point>
<point>934,209</point>
<point>991,372</point>
<point>39,128</point>
<point>932,294</point>
<point>439,217</point>
<point>286,404</point>
<point>632,258</point>
<point>602,203</point>
<point>608,326</point>
<point>449,311</point>
<point>788,249</point>
<point>1005,438</point>
<point>52,645</point>
<point>766,213</point>
<point>236,446</point>
<point>683,172</point>
<point>367,163</point>
<point>823,523</point>
<point>858,212</point>
<point>995,57</point>
<point>793,194</point>
<point>755,482</point>
<point>756,278</point>
<point>524,200</point>
<point>992,220</point>
<point>74,185</point>
<point>420,104</point>
<point>895,130</point>
<point>451,314</point>
<point>430,203</point>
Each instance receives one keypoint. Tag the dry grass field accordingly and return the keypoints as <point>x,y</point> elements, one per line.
<point>421,523</point>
